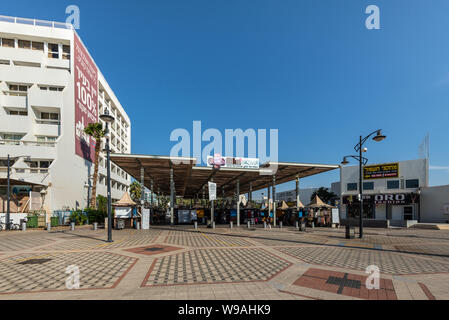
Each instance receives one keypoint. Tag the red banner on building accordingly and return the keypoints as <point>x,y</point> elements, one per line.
<point>86,100</point>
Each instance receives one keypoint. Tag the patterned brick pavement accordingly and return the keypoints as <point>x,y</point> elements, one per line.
<point>223,263</point>
<point>43,272</point>
<point>346,284</point>
<point>214,265</point>
<point>388,262</point>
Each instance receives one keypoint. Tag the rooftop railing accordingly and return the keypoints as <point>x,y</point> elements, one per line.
<point>35,22</point>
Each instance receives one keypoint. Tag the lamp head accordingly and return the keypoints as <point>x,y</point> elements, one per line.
<point>379,136</point>
<point>106,117</point>
<point>345,161</point>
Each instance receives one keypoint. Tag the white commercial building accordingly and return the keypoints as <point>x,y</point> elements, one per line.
<point>391,191</point>
<point>50,89</point>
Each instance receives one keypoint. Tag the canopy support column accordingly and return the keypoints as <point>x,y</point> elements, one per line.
<point>274,200</point>
<point>238,202</point>
<point>268,201</point>
<point>212,214</point>
<point>250,193</point>
<point>172,198</point>
<point>297,191</point>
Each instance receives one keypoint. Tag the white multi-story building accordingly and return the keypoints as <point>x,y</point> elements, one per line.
<point>38,83</point>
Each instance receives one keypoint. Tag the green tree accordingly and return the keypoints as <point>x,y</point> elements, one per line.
<point>325,195</point>
<point>95,130</point>
<point>135,191</point>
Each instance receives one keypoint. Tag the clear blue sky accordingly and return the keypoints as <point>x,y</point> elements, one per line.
<point>308,68</point>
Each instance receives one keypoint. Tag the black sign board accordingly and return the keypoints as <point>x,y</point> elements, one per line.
<point>381,171</point>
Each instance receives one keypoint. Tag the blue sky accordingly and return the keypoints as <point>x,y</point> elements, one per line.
<point>308,68</point>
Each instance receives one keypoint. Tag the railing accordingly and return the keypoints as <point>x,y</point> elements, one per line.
<point>27,143</point>
<point>15,93</point>
<point>35,22</point>
<point>48,121</point>
<point>25,170</point>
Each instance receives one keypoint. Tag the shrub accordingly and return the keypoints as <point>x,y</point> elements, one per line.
<point>78,217</point>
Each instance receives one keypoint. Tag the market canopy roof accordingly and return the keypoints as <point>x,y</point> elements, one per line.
<point>190,179</point>
<point>318,203</point>
<point>125,201</point>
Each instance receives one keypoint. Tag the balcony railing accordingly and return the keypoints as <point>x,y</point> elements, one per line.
<point>27,143</point>
<point>35,22</point>
<point>25,170</point>
<point>48,121</point>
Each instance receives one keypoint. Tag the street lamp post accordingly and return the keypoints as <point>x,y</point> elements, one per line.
<point>363,161</point>
<point>107,118</point>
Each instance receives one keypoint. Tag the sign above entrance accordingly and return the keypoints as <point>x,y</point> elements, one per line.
<point>218,161</point>
<point>381,171</point>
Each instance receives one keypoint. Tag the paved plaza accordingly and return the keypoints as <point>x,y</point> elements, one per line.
<point>172,263</point>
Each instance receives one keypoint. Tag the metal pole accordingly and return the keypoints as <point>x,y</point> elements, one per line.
<point>142,192</point>
<point>172,198</point>
<point>361,189</point>
<point>108,164</point>
<point>152,204</point>
<point>238,202</point>
<point>268,200</point>
<point>8,197</point>
<point>212,214</point>
<point>250,194</point>
<point>274,200</point>
<point>297,191</point>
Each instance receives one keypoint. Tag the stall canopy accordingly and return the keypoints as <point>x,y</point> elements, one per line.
<point>125,201</point>
<point>317,203</point>
<point>284,206</point>
<point>190,179</point>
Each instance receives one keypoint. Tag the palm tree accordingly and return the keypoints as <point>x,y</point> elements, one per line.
<point>135,191</point>
<point>95,130</point>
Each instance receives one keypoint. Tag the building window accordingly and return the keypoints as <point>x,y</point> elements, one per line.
<point>53,50</point>
<point>55,88</point>
<point>37,46</point>
<point>8,43</point>
<point>11,138</point>
<point>393,184</point>
<point>49,116</point>
<point>368,186</point>
<point>17,113</point>
<point>24,44</point>
<point>412,183</point>
<point>17,90</point>
<point>352,187</point>
<point>66,52</point>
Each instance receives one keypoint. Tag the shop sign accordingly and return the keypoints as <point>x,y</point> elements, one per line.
<point>390,198</point>
<point>218,161</point>
<point>212,191</point>
<point>381,171</point>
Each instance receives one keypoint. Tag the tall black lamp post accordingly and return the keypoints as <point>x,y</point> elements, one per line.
<point>107,118</point>
<point>362,161</point>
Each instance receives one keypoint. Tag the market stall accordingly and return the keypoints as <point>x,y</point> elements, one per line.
<point>125,212</point>
<point>319,212</point>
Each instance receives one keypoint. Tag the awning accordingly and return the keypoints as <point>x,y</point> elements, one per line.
<point>189,179</point>
<point>15,182</point>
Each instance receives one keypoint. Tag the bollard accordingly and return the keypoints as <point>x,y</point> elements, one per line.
<point>231,224</point>
<point>249,224</point>
<point>24,226</point>
<point>280,224</point>
<point>196,225</point>
<point>350,232</point>
<point>303,226</point>
<point>48,226</point>
<point>95,226</point>
<point>296,225</point>
<point>264,225</point>
<point>213,225</point>
<point>313,224</point>
<point>72,226</point>
<point>137,225</point>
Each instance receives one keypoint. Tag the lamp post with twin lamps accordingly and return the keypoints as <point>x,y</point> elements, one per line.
<point>362,161</point>
<point>107,118</point>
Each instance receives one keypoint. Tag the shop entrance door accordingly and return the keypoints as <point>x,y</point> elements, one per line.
<point>408,213</point>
